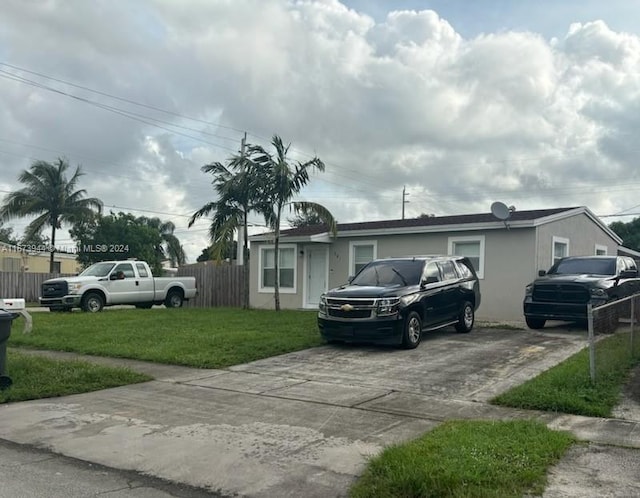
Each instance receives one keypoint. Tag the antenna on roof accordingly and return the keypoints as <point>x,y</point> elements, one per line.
<point>501,211</point>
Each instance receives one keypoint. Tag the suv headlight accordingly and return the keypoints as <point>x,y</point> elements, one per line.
<point>322,305</point>
<point>388,306</point>
<point>74,287</point>
<point>528,290</point>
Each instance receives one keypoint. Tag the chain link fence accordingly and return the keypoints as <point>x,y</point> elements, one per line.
<point>620,319</point>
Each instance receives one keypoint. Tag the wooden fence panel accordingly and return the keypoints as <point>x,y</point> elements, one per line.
<point>218,285</point>
<point>24,285</point>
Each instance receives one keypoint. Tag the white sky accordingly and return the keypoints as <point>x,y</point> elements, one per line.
<point>534,104</point>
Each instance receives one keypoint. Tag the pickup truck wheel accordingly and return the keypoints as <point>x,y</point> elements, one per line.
<point>535,323</point>
<point>92,302</point>
<point>466,318</point>
<point>174,299</point>
<point>412,333</point>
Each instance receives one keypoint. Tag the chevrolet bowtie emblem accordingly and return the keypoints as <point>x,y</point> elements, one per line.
<point>346,307</point>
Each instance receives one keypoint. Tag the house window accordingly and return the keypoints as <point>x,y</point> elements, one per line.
<point>11,264</point>
<point>560,249</point>
<point>472,248</point>
<point>56,267</point>
<point>601,250</point>
<point>361,253</point>
<point>287,268</point>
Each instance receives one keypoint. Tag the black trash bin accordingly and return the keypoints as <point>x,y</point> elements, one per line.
<point>6,320</point>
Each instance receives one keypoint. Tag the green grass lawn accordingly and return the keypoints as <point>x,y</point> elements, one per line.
<point>36,377</point>
<point>466,459</point>
<point>567,387</point>
<point>203,338</point>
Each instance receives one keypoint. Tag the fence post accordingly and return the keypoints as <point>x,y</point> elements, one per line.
<point>633,320</point>
<point>592,345</point>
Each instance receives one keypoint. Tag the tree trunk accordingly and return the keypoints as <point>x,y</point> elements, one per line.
<point>52,249</point>
<point>276,284</point>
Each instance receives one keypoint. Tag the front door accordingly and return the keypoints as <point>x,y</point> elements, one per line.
<point>316,275</point>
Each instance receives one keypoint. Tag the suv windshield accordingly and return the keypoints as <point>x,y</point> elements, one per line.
<point>587,266</point>
<point>390,273</point>
<point>97,270</point>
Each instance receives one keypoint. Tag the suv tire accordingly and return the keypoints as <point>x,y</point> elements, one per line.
<point>412,333</point>
<point>466,318</point>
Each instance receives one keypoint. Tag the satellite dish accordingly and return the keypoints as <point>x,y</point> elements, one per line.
<point>500,211</point>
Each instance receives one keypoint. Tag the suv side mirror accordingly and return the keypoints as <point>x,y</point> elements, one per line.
<point>629,274</point>
<point>541,273</point>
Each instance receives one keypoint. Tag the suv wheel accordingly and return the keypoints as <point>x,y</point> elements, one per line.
<point>466,318</point>
<point>412,330</point>
<point>535,323</point>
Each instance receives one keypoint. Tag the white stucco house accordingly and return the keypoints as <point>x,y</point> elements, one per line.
<point>507,254</point>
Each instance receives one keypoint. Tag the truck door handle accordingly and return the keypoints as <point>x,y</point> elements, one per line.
<point>137,283</point>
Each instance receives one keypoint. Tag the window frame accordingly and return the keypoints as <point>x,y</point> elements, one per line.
<point>357,243</point>
<point>558,240</point>
<point>600,247</point>
<point>261,258</point>
<point>480,239</point>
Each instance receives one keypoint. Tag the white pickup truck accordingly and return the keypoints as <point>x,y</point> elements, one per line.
<point>116,282</point>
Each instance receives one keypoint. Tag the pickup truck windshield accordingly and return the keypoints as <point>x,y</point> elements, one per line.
<point>584,266</point>
<point>98,270</point>
<point>390,273</point>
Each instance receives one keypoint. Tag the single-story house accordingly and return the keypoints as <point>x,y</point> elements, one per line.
<point>507,254</point>
<point>23,259</point>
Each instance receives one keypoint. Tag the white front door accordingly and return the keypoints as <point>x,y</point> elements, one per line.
<point>316,274</point>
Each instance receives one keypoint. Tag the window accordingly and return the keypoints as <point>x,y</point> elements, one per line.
<point>472,248</point>
<point>142,271</point>
<point>431,273</point>
<point>56,267</point>
<point>125,268</point>
<point>287,267</point>
<point>448,271</point>
<point>361,253</point>
<point>560,249</point>
<point>601,250</point>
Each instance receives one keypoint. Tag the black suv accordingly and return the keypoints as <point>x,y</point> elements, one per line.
<point>564,291</point>
<point>392,301</point>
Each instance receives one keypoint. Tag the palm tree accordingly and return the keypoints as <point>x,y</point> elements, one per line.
<point>170,248</point>
<point>50,196</point>
<point>236,188</point>
<point>280,182</point>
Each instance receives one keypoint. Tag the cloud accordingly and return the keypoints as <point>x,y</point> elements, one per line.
<point>401,100</point>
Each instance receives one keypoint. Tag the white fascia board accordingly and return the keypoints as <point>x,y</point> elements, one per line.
<point>320,238</point>
<point>435,229</point>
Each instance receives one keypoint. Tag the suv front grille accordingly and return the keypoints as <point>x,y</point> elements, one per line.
<point>350,308</point>
<point>561,293</point>
<point>54,289</point>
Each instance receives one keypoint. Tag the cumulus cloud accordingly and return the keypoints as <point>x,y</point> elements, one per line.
<point>401,100</point>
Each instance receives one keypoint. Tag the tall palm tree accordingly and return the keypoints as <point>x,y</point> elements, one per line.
<point>280,181</point>
<point>50,196</point>
<point>236,188</point>
<point>170,248</point>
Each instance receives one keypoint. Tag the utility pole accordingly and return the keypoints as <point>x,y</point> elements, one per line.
<point>243,249</point>
<point>404,196</point>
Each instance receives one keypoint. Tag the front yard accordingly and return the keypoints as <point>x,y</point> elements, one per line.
<point>201,338</point>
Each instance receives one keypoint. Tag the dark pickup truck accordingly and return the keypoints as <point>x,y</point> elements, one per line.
<point>564,291</point>
<point>392,301</point>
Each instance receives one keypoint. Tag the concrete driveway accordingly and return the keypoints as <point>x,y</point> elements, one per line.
<point>300,424</point>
